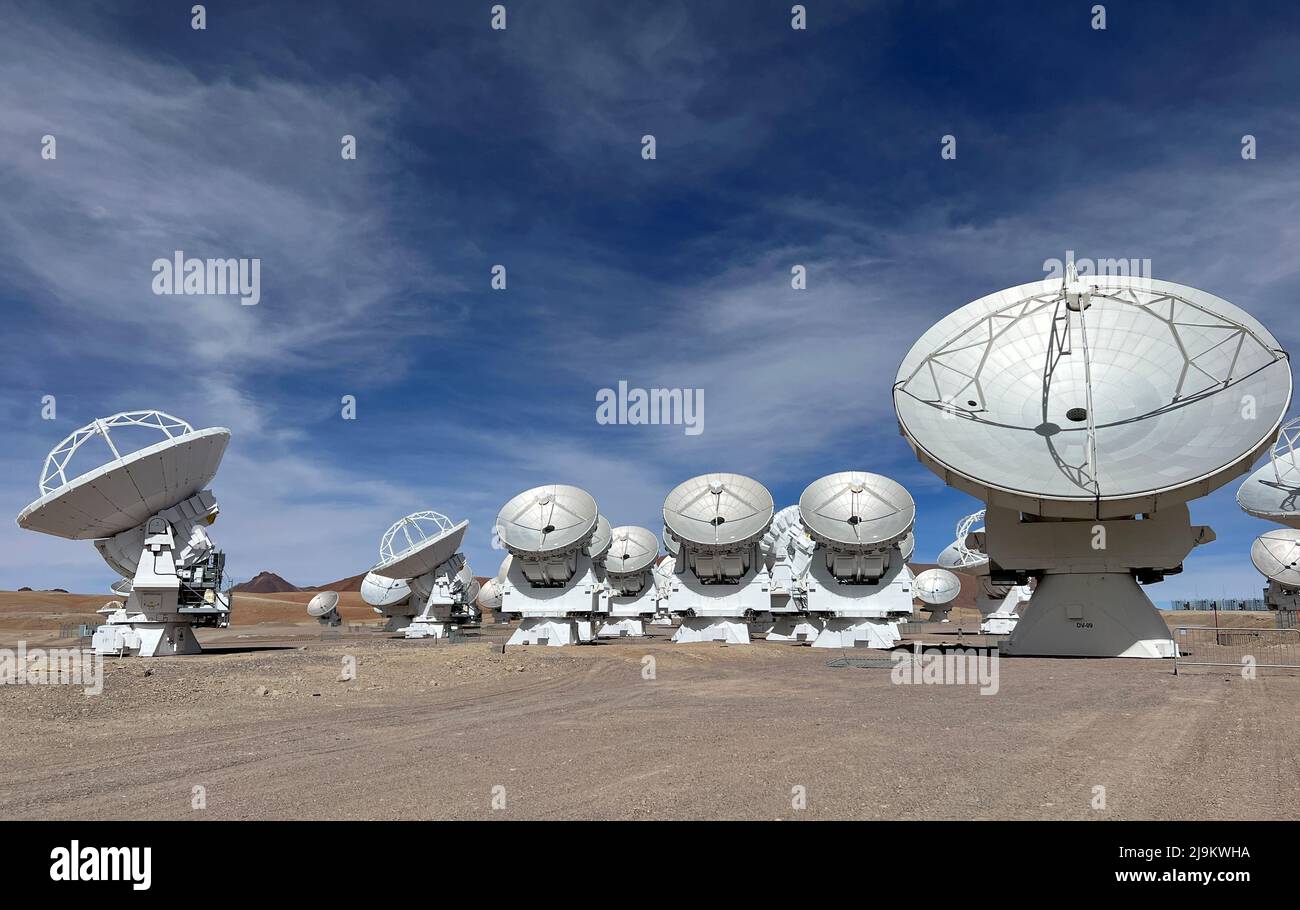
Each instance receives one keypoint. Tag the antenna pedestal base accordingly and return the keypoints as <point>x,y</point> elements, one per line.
<point>939,614</point>
<point>797,628</point>
<point>421,628</point>
<point>1090,615</point>
<point>627,627</point>
<point>546,630</point>
<point>732,630</point>
<point>858,633</point>
<point>145,639</point>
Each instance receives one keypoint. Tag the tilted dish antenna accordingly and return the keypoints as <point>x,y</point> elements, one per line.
<point>1095,399</point>
<point>546,528</point>
<point>418,544</point>
<point>129,488</point>
<point>1272,492</point>
<point>1276,554</point>
<point>142,501</point>
<point>718,520</point>
<point>324,607</point>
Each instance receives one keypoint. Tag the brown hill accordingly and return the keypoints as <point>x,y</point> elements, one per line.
<point>265,583</point>
<point>351,583</point>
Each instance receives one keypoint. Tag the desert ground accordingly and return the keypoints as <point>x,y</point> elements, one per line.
<point>267,724</point>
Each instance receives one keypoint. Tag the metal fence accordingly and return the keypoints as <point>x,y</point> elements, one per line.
<point>1237,647</point>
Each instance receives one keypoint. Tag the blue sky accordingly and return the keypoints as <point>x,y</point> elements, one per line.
<point>478,147</point>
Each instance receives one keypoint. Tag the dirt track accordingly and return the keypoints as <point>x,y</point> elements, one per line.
<point>427,731</point>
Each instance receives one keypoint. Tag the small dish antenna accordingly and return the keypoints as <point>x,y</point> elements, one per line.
<point>936,586</point>
<point>324,607</point>
<point>1273,491</point>
<point>600,539</point>
<point>1276,555</point>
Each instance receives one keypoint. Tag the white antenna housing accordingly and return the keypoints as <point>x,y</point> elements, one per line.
<point>324,607</point>
<point>1071,408</point>
<point>716,522</point>
<point>937,589</point>
<point>147,511</point>
<point>420,555</point>
<point>630,594</point>
<point>552,581</point>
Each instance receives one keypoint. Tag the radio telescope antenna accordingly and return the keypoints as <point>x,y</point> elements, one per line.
<point>937,588</point>
<point>715,523</point>
<point>1092,403</point>
<point>324,607</point>
<point>1276,554</point>
<point>630,592</point>
<point>144,501</point>
<point>552,533</point>
<point>420,555</point>
<point>1273,491</point>
<point>850,570</point>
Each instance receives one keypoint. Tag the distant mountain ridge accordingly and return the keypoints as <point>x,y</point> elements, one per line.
<point>266,582</point>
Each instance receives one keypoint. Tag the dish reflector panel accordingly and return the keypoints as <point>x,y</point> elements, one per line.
<point>858,510</point>
<point>381,591</point>
<point>126,491</point>
<point>1113,406</point>
<point>600,538</point>
<point>936,586</point>
<point>1273,491</point>
<point>718,510</point>
<point>418,544</point>
<point>633,550</point>
<point>1277,556</point>
<point>548,519</point>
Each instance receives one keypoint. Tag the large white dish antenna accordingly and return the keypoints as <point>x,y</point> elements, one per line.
<point>322,604</point>
<point>549,519</point>
<point>418,544</point>
<point>858,510</point>
<point>1273,491</point>
<point>382,591</point>
<point>1102,404</point>
<point>959,554</point>
<point>718,510</point>
<point>633,550</point>
<point>936,586</point>
<point>1277,556</point>
<point>130,487</point>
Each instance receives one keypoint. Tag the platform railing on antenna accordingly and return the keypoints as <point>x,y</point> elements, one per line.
<point>56,463</point>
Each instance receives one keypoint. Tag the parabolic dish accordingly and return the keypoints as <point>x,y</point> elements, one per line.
<point>127,491</point>
<point>857,509</point>
<point>1131,403</point>
<point>547,519</point>
<point>420,554</point>
<point>1272,492</point>
<point>323,603</point>
<point>718,510</point>
<point>671,544</point>
<point>907,546</point>
<point>381,591</point>
<point>956,557</point>
<point>936,586</point>
<point>633,550</point>
<point>600,538</point>
<point>1277,556</point>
